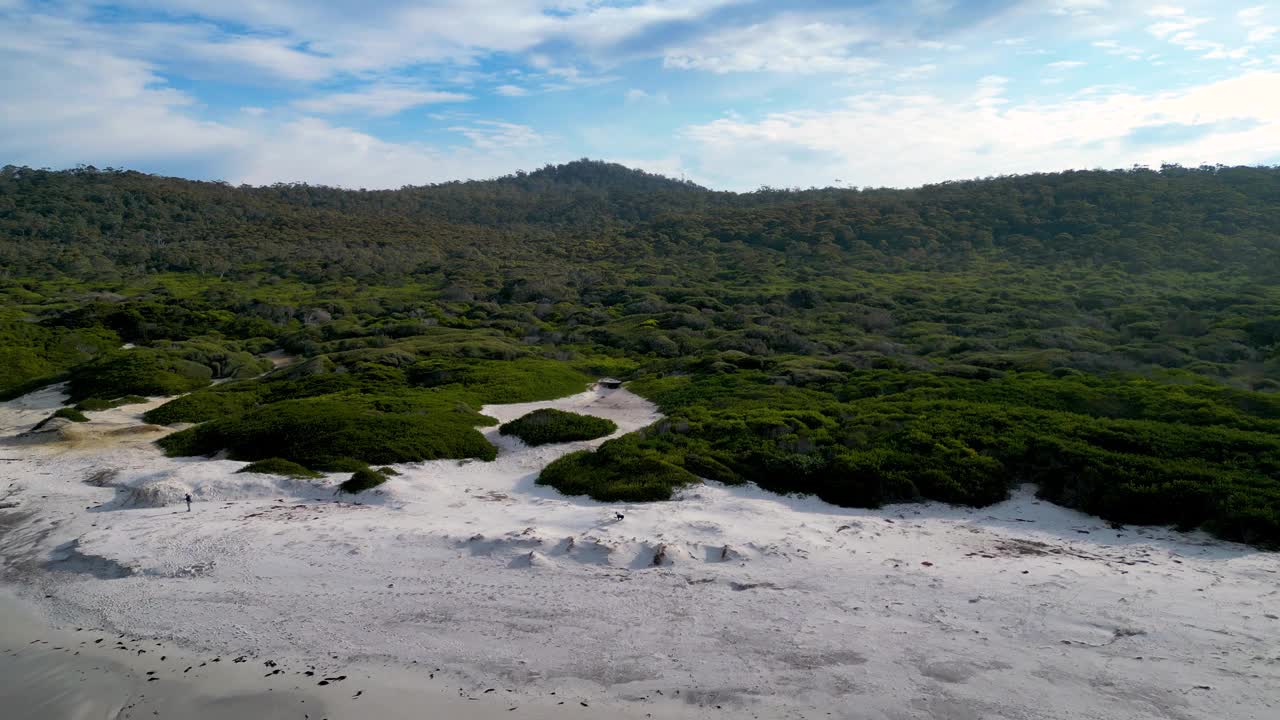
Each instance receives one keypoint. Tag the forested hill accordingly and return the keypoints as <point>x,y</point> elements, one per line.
<point>1112,336</point>
<point>107,221</point>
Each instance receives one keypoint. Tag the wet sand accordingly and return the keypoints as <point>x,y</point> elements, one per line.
<point>49,673</point>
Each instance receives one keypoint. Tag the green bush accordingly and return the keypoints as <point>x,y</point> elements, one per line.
<point>204,405</point>
<point>361,480</point>
<point>549,425</point>
<point>71,414</point>
<point>65,413</point>
<point>324,432</point>
<point>98,404</point>
<point>619,471</point>
<point>1107,446</point>
<point>136,372</point>
<point>279,466</point>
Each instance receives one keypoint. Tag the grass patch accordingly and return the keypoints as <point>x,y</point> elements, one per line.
<point>549,425</point>
<point>279,466</point>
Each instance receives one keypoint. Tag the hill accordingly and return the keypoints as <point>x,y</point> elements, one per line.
<point>1112,335</point>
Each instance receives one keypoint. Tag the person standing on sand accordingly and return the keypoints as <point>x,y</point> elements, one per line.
<point>188,499</point>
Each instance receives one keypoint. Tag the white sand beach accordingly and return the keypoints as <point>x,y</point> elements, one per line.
<point>460,580</point>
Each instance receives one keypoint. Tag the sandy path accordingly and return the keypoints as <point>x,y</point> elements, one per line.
<point>764,605</point>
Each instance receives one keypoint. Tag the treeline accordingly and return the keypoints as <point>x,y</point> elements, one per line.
<point>109,222</point>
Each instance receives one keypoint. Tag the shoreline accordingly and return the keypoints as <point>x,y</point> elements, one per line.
<point>49,673</point>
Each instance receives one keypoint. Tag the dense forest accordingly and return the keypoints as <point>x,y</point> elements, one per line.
<point>1113,336</point>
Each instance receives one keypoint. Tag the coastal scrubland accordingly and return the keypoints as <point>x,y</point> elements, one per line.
<point>1111,336</point>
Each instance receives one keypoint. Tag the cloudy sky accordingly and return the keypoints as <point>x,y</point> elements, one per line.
<point>734,94</point>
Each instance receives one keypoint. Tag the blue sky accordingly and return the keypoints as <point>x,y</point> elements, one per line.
<point>734,94</point>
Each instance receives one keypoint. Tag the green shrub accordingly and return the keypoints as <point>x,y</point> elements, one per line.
<point>361,480</point>
<point>279,466</point>
<point>491,381</point>
<point>1106,446</point>
<point>98,404</point>
<point>204,405</point>
<point>65,413</point>
<point>549,425</point>
<point>136,372</point>
<point>71,414</point>
<point>324,432</point>
<point>619,471</point>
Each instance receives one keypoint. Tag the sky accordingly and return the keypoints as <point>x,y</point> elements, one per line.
<point>731,94</point>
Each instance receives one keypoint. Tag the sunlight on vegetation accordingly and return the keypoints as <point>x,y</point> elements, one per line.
<point>549,425</point>
<point>1111,336</point>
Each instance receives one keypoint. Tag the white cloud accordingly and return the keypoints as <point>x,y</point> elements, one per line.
<point>1079,7</point>
<point>1167,11</point>
<point>1112,47</point>
<point>909,140</point>
<point>379,100</point>
<point>1066,65</point>
<point>65,105</point>
<point>511,90</point>
<point>1175,21</point>
<point>636,96</point>
<point>495,135</point>
<point>990,91</point>
<point>1263,33</point>
<point>1251,15</point>
<point>272,54</point>
<point>1179,28</point>
<point>785,44</point>
<point>319,152</point>
<point>1252,19</point>
<point>917,72</point>
<point>306,39</point>
<point>1224,53</point>
<point>671,166</point>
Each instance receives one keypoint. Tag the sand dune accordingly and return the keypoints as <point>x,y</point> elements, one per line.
<point>727,600</point>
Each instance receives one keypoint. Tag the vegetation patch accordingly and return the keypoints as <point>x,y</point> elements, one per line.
<point>1109,335</point>
<point>98,404</point>
<point>71,414</point>
<point>203,405</point>
<point>549,425</point>
<point>361,480</point>
<point>136,372</point>
<point>279,466</point>
<point>620,470</point>
<point>1189,454</point>
<point>65,413</point>
<point>324,432</point>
